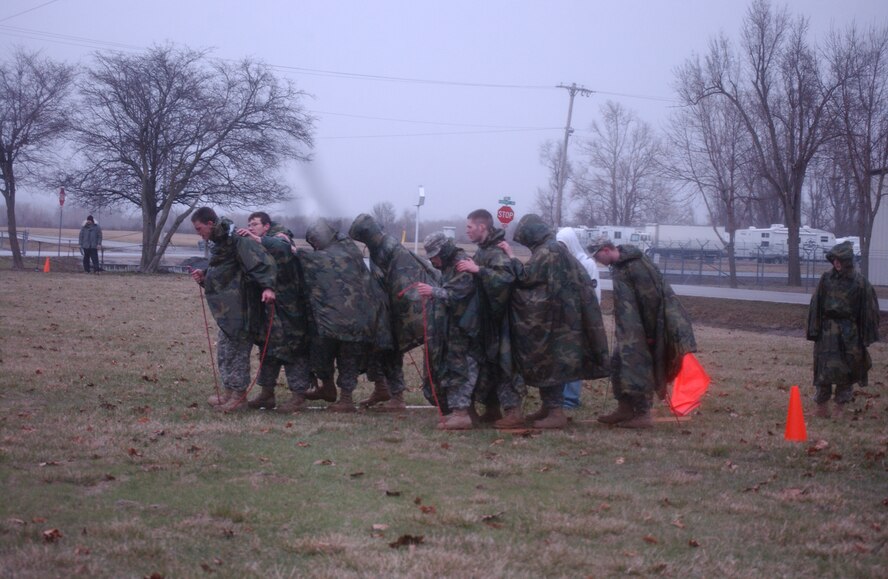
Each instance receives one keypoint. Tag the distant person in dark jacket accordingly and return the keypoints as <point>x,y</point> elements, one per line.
<point>90,244</point>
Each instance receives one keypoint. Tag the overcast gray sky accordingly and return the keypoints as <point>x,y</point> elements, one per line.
<point>456,96</point>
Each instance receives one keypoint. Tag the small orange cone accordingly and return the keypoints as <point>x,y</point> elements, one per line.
<point>46,266</point>
<point>795,420</point>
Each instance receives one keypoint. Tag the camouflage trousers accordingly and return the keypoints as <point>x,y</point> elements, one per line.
<point>387,365</point>
<point>297,372</point>
<point>233,357</point>
<point>633,383</point>
<point>552,396</point>
<point>347,357</point>
<point>844,393</point>
<point>495,388</point>
<point>450,394</point>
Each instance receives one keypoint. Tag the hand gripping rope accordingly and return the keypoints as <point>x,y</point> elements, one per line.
<point>246,392</point>
<point>425,345</point>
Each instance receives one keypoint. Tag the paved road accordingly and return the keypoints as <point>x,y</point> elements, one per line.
<point>703,291</point>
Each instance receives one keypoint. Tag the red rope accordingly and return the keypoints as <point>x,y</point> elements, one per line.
<point>425,345</point>
<point>209,342</point>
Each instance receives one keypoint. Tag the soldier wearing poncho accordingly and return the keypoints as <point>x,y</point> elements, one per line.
<point>288,341</point>
<point>556,326</point>
<point>653,333</point>
<point>239,280</point>
<point>843,319</point>
<point>454,345</point>
<point>499,388</point>
<point>396,268</point>
<point>345,313</point>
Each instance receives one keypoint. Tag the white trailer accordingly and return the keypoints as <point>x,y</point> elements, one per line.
<point>772,243</point>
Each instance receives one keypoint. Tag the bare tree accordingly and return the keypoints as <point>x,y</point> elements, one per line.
<point>546,201</point>
<point>710,153</point>
<point>384,214</point>
<point>621,170</point>
<point>860,61</point>
<point>34,92</point>
<point>170,129</point>
<point>780,92</point>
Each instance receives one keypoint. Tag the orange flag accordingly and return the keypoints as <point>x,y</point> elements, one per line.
<point>689,387</point>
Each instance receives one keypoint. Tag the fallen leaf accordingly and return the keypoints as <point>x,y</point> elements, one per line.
<point>693,543</point>
<point>393,493</point>
<point>427,510</point>
<point>493,517</point>
<point>49,463</point>
<point>620,460</point>
<point>21,522</point>
<point>143,420</point>
<point>206,567</point>
<point>407,540</point>
<point>678,523</point>
<point>545,469</point>
<point>38,371</point>
<point>651,539</point>
<point>81,550</point>
<point>417,501</point>
<point>134,452</point>
<point>154,575</point>
<point>358,474</point>
<point>498,441</point>
<point>445,445</point>
<point>288,425</point>
<point>302,444</point>
<point>52,535</point>
<point>324,462</point>
<point>379,527</point>
<point>38,520</point>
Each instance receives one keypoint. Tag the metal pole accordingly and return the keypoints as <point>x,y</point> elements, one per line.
<point>416,233</point>
<point>573,89</point>
<point>61,208</point>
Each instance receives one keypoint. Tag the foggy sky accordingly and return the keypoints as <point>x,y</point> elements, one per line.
<point>378,139</point>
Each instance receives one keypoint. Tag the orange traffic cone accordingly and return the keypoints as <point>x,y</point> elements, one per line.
<point>795,420</point>
<point>46,266</point>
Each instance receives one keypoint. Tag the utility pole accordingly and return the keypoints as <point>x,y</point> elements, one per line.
<point>573,90</point>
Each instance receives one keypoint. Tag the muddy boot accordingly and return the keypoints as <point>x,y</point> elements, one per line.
<point>556,419</point>
<point>822,410</point>
<point>623,413</point>
<point>838,410</point>
<point>236,402</point>
<point>296,403</point>
<point>513,418</point>
<point>396,404</point>
<point>457,420</point>
<point>380,394</point>
<point>541,413</point>
<point>473,415</point>
<point>492,413</point>
<point>220,398</point>
<point>326,392</point>
<point>344,404</point>
<point>642,419</point>
<point>265,399</point>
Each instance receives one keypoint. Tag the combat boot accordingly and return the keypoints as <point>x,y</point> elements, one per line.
<point>344,404</point>
<point>265,399</point>
<point>327,392</point>
<point>642,419</point>
<point>492,413</point>
<point>219,398</point>
<point>396,404</point>
<point>380,394</point>
<point>541,413</point>
<point>556,419</point>
<point>296,403</point>
<point>457,420</point>
<point>822,410</point>
<point>513,418</point>
<point>623,413</point>
<point>236,402</point>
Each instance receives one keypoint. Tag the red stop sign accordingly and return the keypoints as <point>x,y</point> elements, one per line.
<point>61,197</point>
<point>505,215</point>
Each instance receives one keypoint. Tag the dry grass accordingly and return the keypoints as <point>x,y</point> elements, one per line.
<point>105,436</point>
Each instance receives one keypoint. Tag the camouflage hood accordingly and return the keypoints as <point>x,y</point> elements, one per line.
<point>628,253</point>
<point>844,252</point>
<point>320,235</point>
<point>532,231</point>
<point>493,238</point>
<point>366,230</point>
<point>222,230</point>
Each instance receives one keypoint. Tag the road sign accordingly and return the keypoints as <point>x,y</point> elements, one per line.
<point>62,197</point>
<point>505,214</point>
<point>507,200</point>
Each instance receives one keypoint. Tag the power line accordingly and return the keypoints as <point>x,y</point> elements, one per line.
<point>435,134</point>
<point>28,10</point>
<point>430,122</point>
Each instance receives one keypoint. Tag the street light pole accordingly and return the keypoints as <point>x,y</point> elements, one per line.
<point>419,204</point>
<point>61,208</point>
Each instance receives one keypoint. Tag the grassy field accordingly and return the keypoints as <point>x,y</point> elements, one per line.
<point>112,465</point>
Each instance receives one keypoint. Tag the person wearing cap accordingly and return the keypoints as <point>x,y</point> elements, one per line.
<point>652,333</point>
<point>453,345</point>
<point>499,388</point>
<point>90,244</point>
<point>843,320</point>
<point>555,322</point>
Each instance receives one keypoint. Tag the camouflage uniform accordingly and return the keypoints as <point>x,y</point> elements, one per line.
<point>454,332</point>
<point>653,331</point>
<point>843,319</point>
<point>396,268</point>
<point>497,382</point>
<point>555,322</point>
<point>345,311</point>
<point>288,341</point>
<point>238,271</point>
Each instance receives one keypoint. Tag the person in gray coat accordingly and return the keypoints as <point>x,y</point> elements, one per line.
<point>90,244</point>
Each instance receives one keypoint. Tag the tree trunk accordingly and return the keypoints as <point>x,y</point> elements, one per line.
<point>9,194</point>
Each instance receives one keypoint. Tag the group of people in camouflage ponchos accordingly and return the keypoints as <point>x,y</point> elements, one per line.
<point>491,325</point>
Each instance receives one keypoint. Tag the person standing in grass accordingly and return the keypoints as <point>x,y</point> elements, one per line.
<point>90,244</point>
<point>239,280</point>
<point>288,342</point>
<point>843,320</point>
<point>653,333</point>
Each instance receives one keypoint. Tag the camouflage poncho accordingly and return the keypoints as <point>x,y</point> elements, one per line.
<point>289,331</point>
<point>399,268</point>
<point>555,321</point>
<point>239,270</point>
<point>340,297</point>
<point>843,319</point>
<point>653,331</point>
